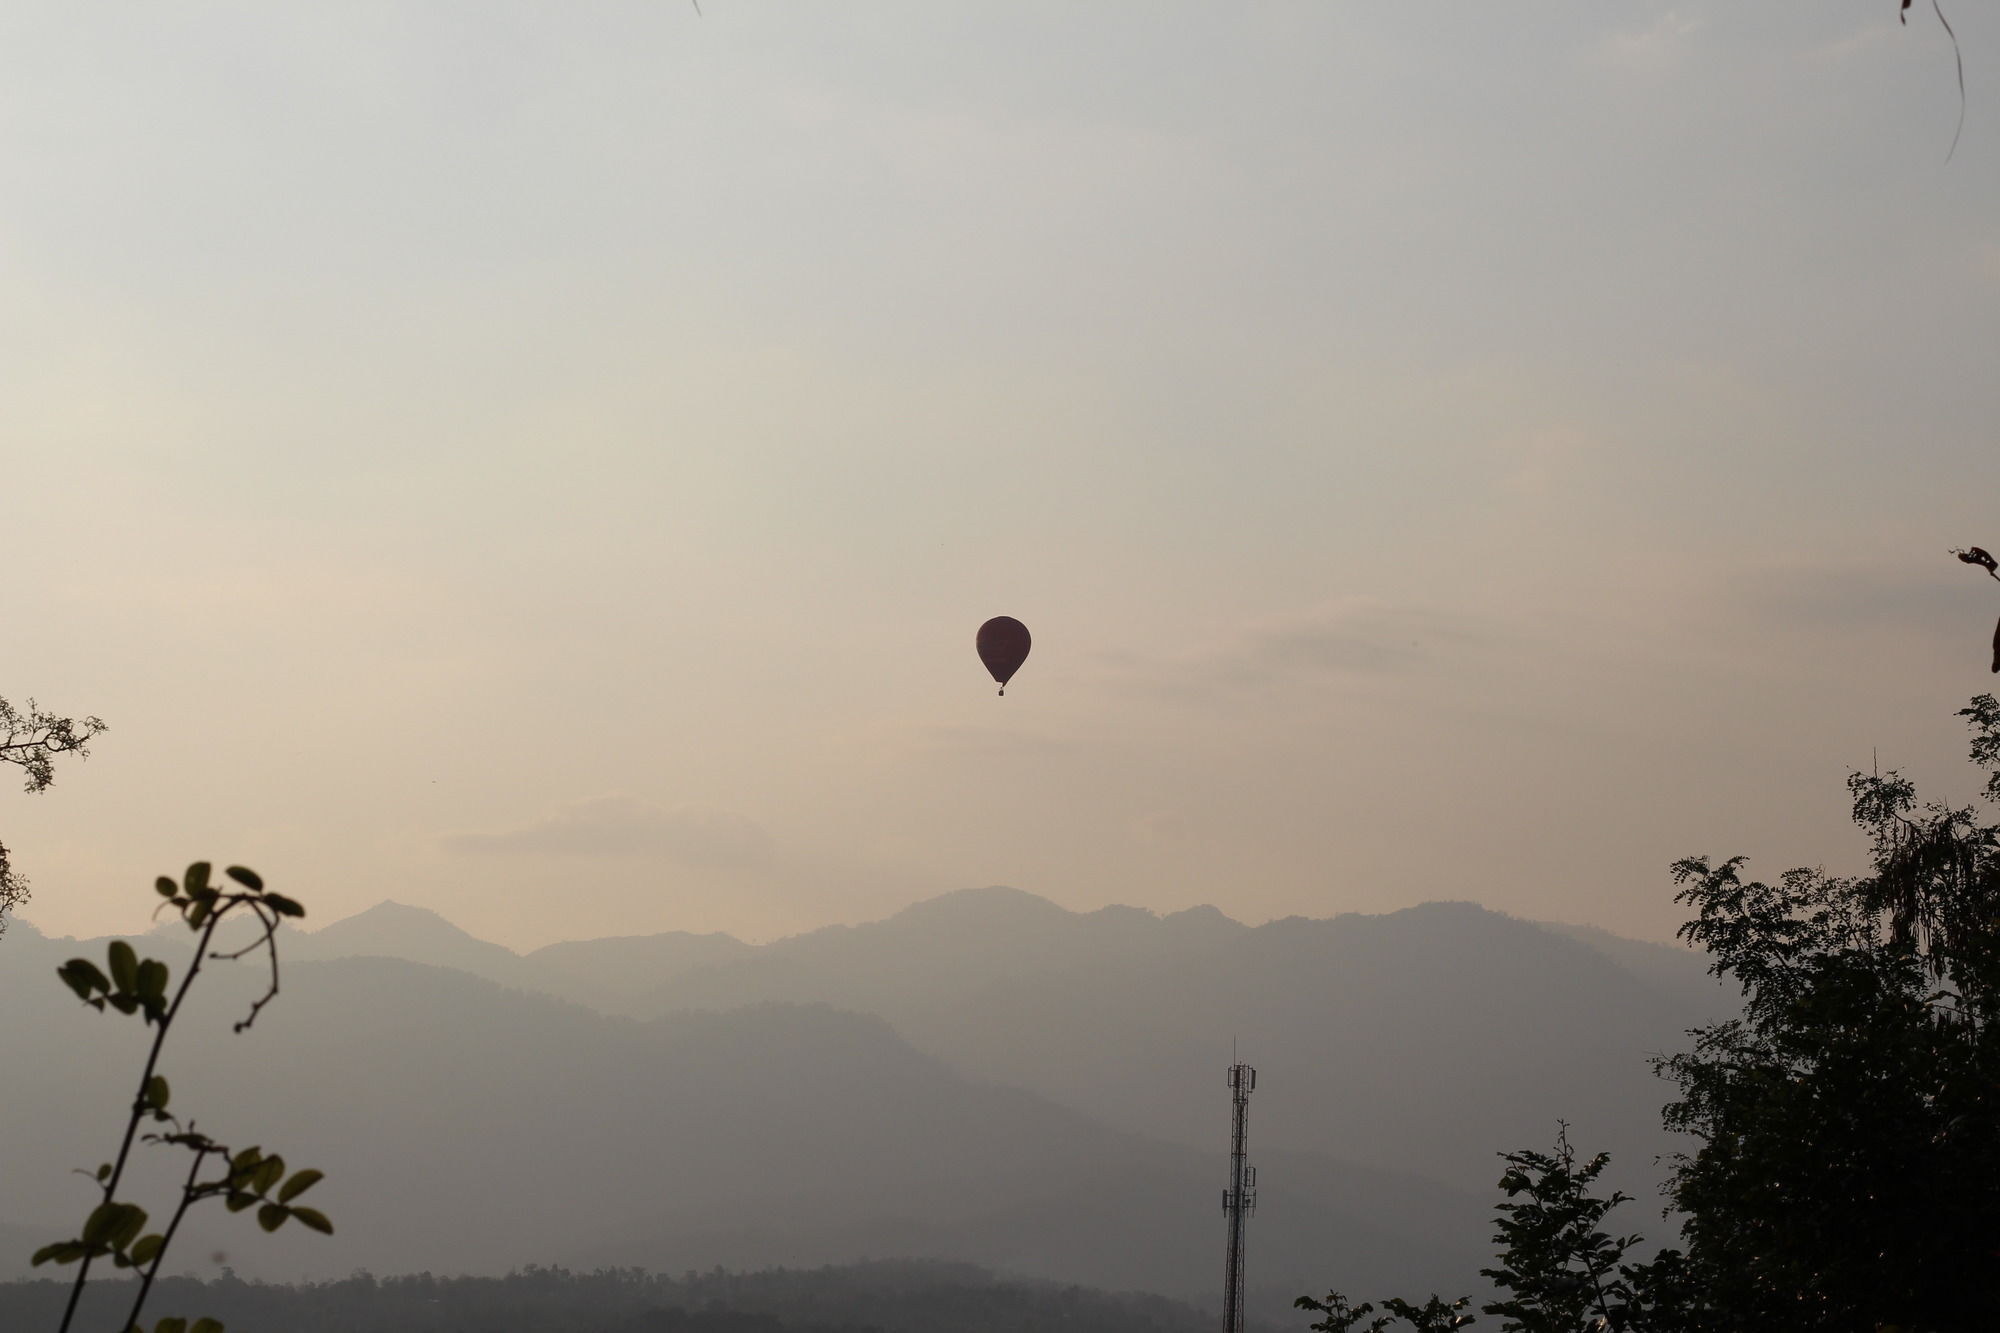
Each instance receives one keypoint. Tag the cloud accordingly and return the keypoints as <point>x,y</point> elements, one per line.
<point>1543,463</point>
<point>986,743</point>
<point>1939,597</point>
<point>622,826</point>
<point>1341,640</point>
<point>1356,639</point>
<point>1651,49</point>
<point>1867,39</point>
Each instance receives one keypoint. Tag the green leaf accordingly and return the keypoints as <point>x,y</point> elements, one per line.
<point>284,906</point>
<point>248,1158</point>
<point>195,881</point>
<point>97,1227</point>
<point>104,1172</point>
<point>171,1324</point>
<point>269,1172</point>
<point>198,913</point>
<point>124,964</point>
<point>247,877</point>
<point>124,1004</point>
<point>206,1326</point>
<point>315,1219</point>
<point>81,975</point>
<point>165,887</point>
<point>62,1252</point>
<point>300,1182</point>
<point>157,1092</point>
<point>147,1248</point>
<point>130,1223</point>
<point>152,981</point>
<point>238,1201</point>
<point>272,1216</point>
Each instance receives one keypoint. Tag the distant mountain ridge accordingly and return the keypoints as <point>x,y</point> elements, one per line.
<point>604,973</point>
<point>465,1126</point>
<point>1424,1040</point>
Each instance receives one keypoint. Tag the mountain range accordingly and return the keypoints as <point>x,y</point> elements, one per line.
<point>984,1076</point>
<point>1423,1040</point>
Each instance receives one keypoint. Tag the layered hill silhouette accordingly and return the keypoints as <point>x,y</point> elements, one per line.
<point>465,1126</point>
<point>984,1076</point>
<point>606,974</point>
<point>1425,1040</point>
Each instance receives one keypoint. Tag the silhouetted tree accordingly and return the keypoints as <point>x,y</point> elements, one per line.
<point>1848,1174</point>
<point>1559,1272</point>
<point>31,741</point>
<point>1433,1316</point>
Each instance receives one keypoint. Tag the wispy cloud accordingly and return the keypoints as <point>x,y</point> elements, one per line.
<point>1903,612</point>
<point>1353,638</point>
<point>1542,463</point>
<point>1651,48</point>
<point>622,826</point>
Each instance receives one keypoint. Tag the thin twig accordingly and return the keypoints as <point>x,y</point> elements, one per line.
<point>188,1196</point>
<point>1958,56</point>
<point>270,943</point>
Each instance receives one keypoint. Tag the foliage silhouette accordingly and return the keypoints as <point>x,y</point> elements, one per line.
<point>247,1178</point>
<point>1560,1271</point>
<point>1849,1168</point>
<point>1433,1316</point>
<point>30,741</point>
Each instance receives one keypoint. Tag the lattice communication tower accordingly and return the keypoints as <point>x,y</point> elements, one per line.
<point>1240,1199</point>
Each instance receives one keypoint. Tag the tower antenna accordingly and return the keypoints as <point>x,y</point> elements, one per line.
<point>1240,1199</point>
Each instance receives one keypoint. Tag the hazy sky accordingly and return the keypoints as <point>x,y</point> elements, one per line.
<point>546,462</point>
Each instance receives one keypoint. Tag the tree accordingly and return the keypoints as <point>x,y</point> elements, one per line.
<point>31,741</point>
<point>1848,1173</point>
<point>1558,1271</point>
<point>1433,1316</point>
<point>242,1179</point>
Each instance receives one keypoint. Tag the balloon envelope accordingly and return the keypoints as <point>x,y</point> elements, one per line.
<point>1003,645</point>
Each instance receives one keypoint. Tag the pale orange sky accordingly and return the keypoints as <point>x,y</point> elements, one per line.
<point>547,463</point>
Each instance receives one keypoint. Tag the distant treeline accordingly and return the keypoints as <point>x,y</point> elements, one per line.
<point>883,1297</point>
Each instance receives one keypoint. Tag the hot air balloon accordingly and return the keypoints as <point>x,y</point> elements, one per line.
<point>1003,645</point>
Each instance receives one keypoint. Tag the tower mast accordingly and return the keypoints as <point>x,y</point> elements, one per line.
<point>1240,1199</point>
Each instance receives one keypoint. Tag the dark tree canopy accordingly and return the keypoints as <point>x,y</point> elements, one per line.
<point>1848,1173</point>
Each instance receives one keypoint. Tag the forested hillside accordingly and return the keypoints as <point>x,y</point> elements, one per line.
<point>900,1297</point>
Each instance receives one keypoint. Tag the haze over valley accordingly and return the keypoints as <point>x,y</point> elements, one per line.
<point>983,1076</point>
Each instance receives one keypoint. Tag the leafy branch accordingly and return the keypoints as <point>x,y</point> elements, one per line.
<point>246,1178</point>
<point>30,741</point>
